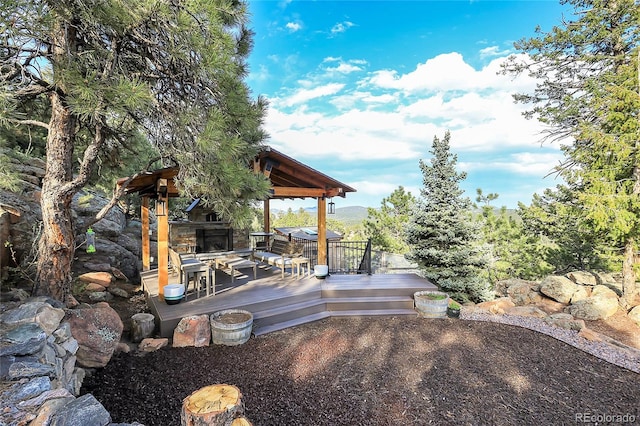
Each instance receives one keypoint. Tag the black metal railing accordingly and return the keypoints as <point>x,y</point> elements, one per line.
<point>343,257</point>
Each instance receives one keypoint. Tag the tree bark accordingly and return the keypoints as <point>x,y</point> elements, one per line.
<point>629,287</point>
<point>57,243</point>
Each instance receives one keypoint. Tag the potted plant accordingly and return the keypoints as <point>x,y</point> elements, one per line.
<point>431,304</point>
<point>453,310</point>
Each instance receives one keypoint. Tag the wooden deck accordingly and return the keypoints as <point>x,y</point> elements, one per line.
<point>278,303</point>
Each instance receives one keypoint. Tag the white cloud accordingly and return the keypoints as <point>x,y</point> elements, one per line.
<point>493,51</point>
<point>344,68</point>
<point>304,95</point>
<point>293,26</point>
<point>534,164</point>
<point>447,72</point>
<point>341,27</point>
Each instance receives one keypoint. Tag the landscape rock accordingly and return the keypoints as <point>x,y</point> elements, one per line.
<point>152,345</point>
<point>82,411</point>
<point>93,287</point>
<point>498,306</point>
<point>566,321</point>
<point>594,308</point>
<point>581,293</point>
<point>100,296</point>
<point>98,330</point>
<point>502,287</point>
<point>524,293</point>
<point>558,288</point>
<point>526,311</point>
<point>119,292</point>
<point>24,339</point>
<point>604,291</point>
<point>583,278</point>
<point>103,278</point>
<point>192,331</point>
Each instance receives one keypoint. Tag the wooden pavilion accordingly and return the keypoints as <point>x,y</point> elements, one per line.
<point>289,179</point>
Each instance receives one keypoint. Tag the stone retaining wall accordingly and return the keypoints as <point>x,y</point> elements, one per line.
<point>39,381</point>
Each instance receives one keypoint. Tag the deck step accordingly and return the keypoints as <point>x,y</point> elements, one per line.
<point>272,318</point>
<point>265,329</point>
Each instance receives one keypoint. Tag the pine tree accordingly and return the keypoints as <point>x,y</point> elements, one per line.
<point>589,95</point>
<point>386,226</point>
<point>112,70</point>
<point>441,233</point>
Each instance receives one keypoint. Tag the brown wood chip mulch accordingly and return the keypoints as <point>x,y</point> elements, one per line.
<point>379,371</point>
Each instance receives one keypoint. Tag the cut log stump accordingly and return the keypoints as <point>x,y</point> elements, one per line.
<point>215,405</point>
<point>142,326</point>
<point>241,421</point>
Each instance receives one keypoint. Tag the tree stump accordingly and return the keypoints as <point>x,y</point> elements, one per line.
<point>142,326</point>
<point>215,405</point>
<point>241,421</point>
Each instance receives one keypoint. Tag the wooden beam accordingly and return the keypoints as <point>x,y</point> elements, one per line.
<point>292,191</point>
<point>146,246</point>
<point>322,231</point>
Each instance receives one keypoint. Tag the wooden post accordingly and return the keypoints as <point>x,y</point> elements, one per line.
<point>267,216</point>
<point>322,231</point>
<point>146,247</point>
<point>163,241</point>
<point>212,406</point>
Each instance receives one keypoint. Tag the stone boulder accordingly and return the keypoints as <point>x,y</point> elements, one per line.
<point>192,331</point>
<point>596,307</point>
<point>97,329</point>
<point>581,293</point>
<point>583,278</point>
<point>498,306</point>
<point>103,278</point>
<point>524,292</point>
<point>526,311</point>
<point>559,288</point>
<point>566,321</point>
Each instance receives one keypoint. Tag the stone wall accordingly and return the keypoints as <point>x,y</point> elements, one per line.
<point>39,380</point>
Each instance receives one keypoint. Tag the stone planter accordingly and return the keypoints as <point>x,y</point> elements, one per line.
<point>431,304</point>
<point>231,327</point>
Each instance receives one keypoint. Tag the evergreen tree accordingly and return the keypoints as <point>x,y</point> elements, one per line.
<point>589,94</point>
<point>443,238</point>
<point>386,226</point>
<point>511,251</point>
<point>111,70</point>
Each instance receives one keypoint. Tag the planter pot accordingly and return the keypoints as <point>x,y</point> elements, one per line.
<point>321,271</point>
<point>453,313</point>
<point>231,327</point>
<point>431,304</point>
<point>173,294</point>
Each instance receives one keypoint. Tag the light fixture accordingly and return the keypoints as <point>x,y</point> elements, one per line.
<point>332,206</point>
<point>161,207</point>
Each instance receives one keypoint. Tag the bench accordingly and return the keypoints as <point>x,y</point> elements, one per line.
<point>186,267</point>
<point>279,255</point>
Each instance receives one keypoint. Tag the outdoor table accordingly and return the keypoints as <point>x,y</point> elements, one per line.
<point>235,263</point>
<point>297,262</point>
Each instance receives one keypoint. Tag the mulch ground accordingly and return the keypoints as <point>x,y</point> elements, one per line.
<point>378,371</point>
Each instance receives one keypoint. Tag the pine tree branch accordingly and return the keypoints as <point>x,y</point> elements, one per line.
<point>30,123</point>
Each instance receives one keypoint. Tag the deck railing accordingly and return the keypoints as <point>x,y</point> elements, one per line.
<point>344,257</point>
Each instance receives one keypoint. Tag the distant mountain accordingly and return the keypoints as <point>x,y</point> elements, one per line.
<point>350,215</point>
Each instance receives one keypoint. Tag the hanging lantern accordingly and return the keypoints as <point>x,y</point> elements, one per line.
<point>332,206</point>
<point>91,241</point>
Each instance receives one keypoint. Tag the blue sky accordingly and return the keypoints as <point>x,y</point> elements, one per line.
<point>358,90</point>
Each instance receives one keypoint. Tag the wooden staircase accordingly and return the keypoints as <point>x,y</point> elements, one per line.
<point>339,295</point>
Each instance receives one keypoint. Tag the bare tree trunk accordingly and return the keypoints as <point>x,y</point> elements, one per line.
<point>629,288</point>
<point>56,249</point>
